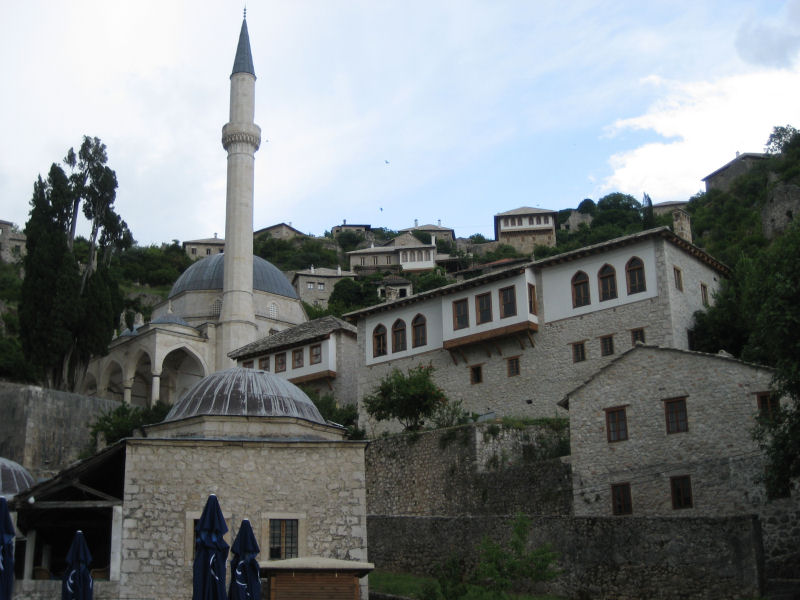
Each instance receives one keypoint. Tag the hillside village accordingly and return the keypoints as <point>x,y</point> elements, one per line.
<point>578,395</point>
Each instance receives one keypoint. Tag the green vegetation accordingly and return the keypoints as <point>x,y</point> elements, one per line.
<point>346,416</point>
<point>428,280</point>
<point>70,299</point>
<point>351,294</point>
<point>349,240</point>
<point>122,422</point>
<point>296,253</point>
<point>151,266</point>
<point>408,397</point>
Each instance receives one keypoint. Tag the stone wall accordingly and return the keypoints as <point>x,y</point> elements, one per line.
<point>599,558</point>
<point>780,209</point>
<point>31,589</point>
<point>474,469</point>
<point>46,430</point>
<point>167,482</point>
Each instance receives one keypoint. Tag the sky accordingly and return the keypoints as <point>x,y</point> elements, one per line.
<point>385,112</point>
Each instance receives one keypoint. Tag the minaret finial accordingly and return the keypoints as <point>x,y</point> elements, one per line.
<point>245,11</point>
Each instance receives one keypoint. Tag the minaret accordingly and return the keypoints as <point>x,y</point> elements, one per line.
<point>241,138</point>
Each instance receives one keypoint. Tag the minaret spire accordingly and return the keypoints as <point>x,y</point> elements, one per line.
<point>241,138</point>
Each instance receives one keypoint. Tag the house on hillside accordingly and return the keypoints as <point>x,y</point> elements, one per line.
<point>204,247</point>
<point>722,178</point>
<point>668,432</point>
<point>437,231</point>
<point>12,242</point>
<point>405,252</point>
<point>355,228</point>
<point>281,231</point>
<point>515,340</point>
<point>526,227</point>
<point>315,284</point>
<point>320,354</point>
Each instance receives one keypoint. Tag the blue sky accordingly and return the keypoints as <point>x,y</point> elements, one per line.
<point>479,107</point>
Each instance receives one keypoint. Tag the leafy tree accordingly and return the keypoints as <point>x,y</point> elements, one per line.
<point>779,138</point>
<point>349,240</point>
<point>621,211</point>
<point>502,251</point>
<point>350,294</point>
<point>346,415</point>
<point>478,238</point>
<point>294,254</point>
<point>68,308</point>
<point>427,280</point>
<point>422,236</point>
<point>587,207</point>
<point>408,397</point>
<point>648,218</point>
<point>122,421</point>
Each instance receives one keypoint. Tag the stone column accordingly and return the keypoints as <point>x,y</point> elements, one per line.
<point>116,543</point>
<point>155,389</point>
<point>30,551</point>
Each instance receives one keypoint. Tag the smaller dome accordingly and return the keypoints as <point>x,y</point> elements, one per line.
<point>207,274</point>
<point>169,319</point>
<point>14,478</point>
<point>239,392</point>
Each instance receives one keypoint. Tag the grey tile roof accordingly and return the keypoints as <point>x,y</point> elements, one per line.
<point>294,336</point>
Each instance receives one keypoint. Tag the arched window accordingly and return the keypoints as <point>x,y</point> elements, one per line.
<point>607,280</point>
<point>399,336</point>
<point>273,310</point>
<point>634,273</point>
<point>379,341</point>
<point>419,331</point>
<point>580,289</point>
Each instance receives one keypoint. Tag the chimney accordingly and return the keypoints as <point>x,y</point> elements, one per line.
<point>416,222</point>
<point>439,222</point>
<point>433,239</point>
<point>682,224</point>
<point>344,221</point>
<point>338,269</point>
<point>215,234</point>
<point>312,269</point>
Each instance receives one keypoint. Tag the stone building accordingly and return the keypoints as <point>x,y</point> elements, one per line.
<point>205,247</point>
<point>218,304</point>
<point>315,284</point>
<point>281,231</point>
<point>12,242</point>
<point>437,231</point>
<point>514,341</point>
<point>667,432</point>
<point>393,287</point>
<point>526,227</point>
<point>355,228</point>
<point>722,178</point>
<point>253,439</point>
<point>320,354</point>
<point>405,252</point>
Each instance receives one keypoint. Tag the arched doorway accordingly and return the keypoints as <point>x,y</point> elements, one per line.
<point>114,386</point>
<point>179,372</point>
<point>142,382</point>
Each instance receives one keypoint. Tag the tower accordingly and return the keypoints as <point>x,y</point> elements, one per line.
<point>241,138</point>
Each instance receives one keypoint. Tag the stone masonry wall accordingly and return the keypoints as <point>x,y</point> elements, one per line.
<point>599,558</point>
<point>45,430</point>
<point>167,483</point>
<point>717,451</point>
<point>474,469</point>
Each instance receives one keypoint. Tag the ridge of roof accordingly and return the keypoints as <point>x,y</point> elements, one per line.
<point>302,333</point>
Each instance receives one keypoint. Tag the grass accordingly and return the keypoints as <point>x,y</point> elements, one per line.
<point>410,586</point>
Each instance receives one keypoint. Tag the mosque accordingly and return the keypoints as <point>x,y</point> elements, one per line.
<point>221,302</point>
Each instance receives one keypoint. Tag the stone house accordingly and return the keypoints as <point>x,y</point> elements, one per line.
<point>253,439</point>
<point>355,228</point>
<point>320,354</point>
<point>526,227</point>
<point>437,231</point>
<point>665,432</point>
<point>205,247</point>
<point>315,284</point>
<point>514,341</point>
<point>12,242</point>
<point>722,178</point>
<point>393,287</point>
<point>403,252</point>
<point>281,231</point>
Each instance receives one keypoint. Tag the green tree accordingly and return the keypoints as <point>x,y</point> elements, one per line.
<point>587,207</point>
<point>779,138</point>
<point>478,238</point>
<point>68,308</point>
<point>346,416</point>
<point>350,294</point>
<point>349,240</point>
<point>408,397</point>
<point>122,421</point>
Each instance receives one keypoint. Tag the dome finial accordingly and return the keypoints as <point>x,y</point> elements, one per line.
<point>245,12</point>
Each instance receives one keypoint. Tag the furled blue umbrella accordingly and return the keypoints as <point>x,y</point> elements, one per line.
<point>211,552</point>
<point>6,551</point>
<point>77,582</point>
<point>245,580</point>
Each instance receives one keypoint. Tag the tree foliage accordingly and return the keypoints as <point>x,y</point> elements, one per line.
<point>349,240</point>
<point>68,308</point>
<point>123,421</point>
<point>296,253</point>
<point>350,294</point>
<point>780,138</point>
<point>408,397</point>
<point>346,416</point>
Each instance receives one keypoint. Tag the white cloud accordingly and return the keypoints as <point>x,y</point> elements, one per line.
<point>703,125</point>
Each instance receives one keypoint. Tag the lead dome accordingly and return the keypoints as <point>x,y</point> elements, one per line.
<point>207,274</point>
<point>239,392</point>
<point>14,478</point>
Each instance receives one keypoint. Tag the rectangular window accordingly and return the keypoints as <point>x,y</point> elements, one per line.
<point>607,345</point>
<point>476,374</point>
<point>248,364</point>
<point>310,285</point>
<point>315,353</point>
<point>297,358</point>
<point>208,251</point>
<point>388,260</point>
<point>508,302</point>
<point>637,335</point>
<point>263,363</point>
<point>280,362</point>
<point>283,539</point>
<point>320,286</point>
<point>374,260</point>
<point>676,272</point>
<point>621,499</point>
<point>512,366</point>
<point>675,413</point>
<point>768,405</point>
<point>704,294</point>
<point>616,424</point>
<point>362,261</point>
<point>483,308</point>
<point>578,352</point>
<point>460,314</point>
<point>681,487</point>
<point>194,250</point>
<point>532,299</point>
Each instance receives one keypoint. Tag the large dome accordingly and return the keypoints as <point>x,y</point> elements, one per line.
<point>239,392</point>
<point>206,274</point>
<point>14,478</point>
